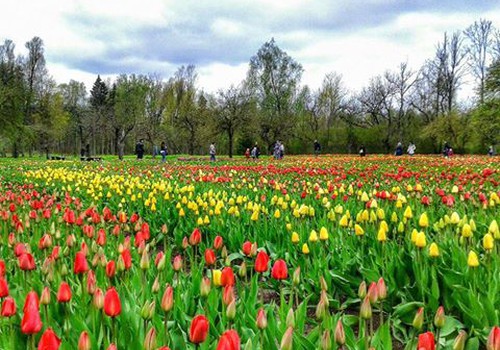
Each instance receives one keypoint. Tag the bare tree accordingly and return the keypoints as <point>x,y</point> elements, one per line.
<point>480,35</point>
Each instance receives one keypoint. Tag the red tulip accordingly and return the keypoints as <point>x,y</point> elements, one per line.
<point>112,347</point>
<point>261,261</point>
<point>84,341</point>
<point>31,322</point>
<point>110,269</point>
<point>195,237</point>
<point>199,329</point>
<point>91,282</point>
<point>64,293</point>
<point>8,307</point>
<point>167,300</point>
<point>49,340</point>
<point>127,258</point>
<point>261,319</point>
<point>381,289</point>
<point>45,296</point>
<point>230,340</point>
<point>279,270</point>
<point>227,277</point>
<point>159,257</point>
<point>209,257</point>
<point>494,339</point>
<point>426,341</point>
<point>373,293</point>
<point>112,303</point>
<point>218,242</point>
<point>4,288</point>
<point>101,237</point>
<point>26,262</point>
<point>80,265</point>
<point>2,268</point>
<point>228,295</point>
<point>164,348</point>
<point>177,263</point>
<point>247,248</point>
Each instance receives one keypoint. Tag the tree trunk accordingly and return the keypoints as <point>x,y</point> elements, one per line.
<point>231,140</point>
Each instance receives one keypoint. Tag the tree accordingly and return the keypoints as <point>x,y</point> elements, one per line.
<point>480,40</point>
<point>273,78</point>
<point>156,105</point>
<point>129,107</point>
<point>100,111</point>
<point>74,96</point>
<point>234,109</point>
<point>12,95</point>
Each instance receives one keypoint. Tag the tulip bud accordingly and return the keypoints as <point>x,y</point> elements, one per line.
<point>150,340</point>
<point>177,263</point>
<point>323,284</point>
<point>290,318</point>
<point>224,253</point>
<point>493,342</point>
<point>366,309</point>
<point>231,310</point>
<point>418,320</point>
<point>45,296</point>
<point>339,333</point>
<point>98,299</point>
<point>156,286</point>
<point>162,263</point>
<point>321,309</point>
<point>144,264</point>
<point>167,301</point>
<point>362,290</point>
<point>261,319</point>
<point>439,318</point>
<point>459,343</point>
<point>242,271</point>
<point>64,270</point>
<point>381,289</point>
<point>326,342</point>
<point>185,243</point>
<point>145,310</point>
<point>84,341</point>
<point>373,293</point>
<point>205,287</point>
<point>296,276</point>
<point>248,345</point>
<point>286,341</point>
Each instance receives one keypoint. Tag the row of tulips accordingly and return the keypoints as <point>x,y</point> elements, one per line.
<point>75,234</point>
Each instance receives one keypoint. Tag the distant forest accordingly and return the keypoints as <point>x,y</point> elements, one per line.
<point>40,116</point>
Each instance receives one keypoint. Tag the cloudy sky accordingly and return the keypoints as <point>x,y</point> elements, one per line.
<point>356,38</point>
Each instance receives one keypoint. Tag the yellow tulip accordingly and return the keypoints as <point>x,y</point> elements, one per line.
<point>413,236</point>
<point>216,275</point>
<point>295,237</point>
<point>323,234</point>
<point>305,248</point>
<point>277,214</point>
<point>255,215</point>
<point>420,241</point>
<point>488,242</point>
<point>401,227</point>
<point>365,215</point>
<point>408,212</point>
<point>344,222</point>
<point>455,218</point>
<point>358,230</point>
<point>472,259</point>
<point>380,214</point>
<point>466,231</point>
<point>433,250</point>
<point>181,212</point>
<point>423,221</point>
<point>394,217</point>
<point>381,236</point>
<point>364,197</point>
<point>313,236</point>
<point>493,229</point>
<point>289,226</point>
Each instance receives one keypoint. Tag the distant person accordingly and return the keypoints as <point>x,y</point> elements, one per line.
<point>446,149</point>
<point>399,149</point>
<point>411,149</point>
<point>163,152</point>
<point>491,151</point>
<point>362,151</point>
<point>247,153</point>
<point>139,149</point>
<point>281,152</point>
<point>317,147</point>
<point>255,153</point>
<point>82,152</point>
<point>276,151</point>
<point>211,150</point>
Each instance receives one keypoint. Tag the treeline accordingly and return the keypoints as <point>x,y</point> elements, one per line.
<point>37,115</point>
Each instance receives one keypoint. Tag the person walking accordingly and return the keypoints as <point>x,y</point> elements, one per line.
<point>399,149</point>
<point>255,153</point>
<point>411,149</point>
<point>163,152</point>
<point>362,151</point>
<point>491,151</point>
<point>139,149</point>
<point>317,147</point>
<point>281,152</point>
<point>211,150</point>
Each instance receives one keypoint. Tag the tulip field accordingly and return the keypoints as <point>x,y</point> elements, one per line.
<point>328,252</point>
